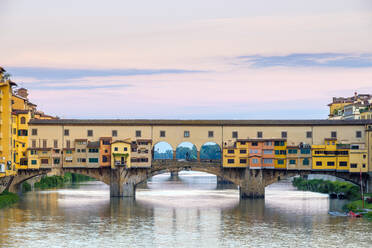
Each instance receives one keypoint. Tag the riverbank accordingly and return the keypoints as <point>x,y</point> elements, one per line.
<point>7,199</point>
<point>347,190</point>
<point>48,182</point>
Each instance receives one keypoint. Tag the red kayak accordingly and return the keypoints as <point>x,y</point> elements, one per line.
<point>352,214</point>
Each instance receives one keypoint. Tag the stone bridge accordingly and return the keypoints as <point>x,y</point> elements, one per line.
<point>15,182</point>
<point>251,182</point>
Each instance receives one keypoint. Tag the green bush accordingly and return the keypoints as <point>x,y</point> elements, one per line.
<point>7,199</point>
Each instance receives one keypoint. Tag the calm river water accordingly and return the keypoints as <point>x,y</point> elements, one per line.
<point>189,211</point>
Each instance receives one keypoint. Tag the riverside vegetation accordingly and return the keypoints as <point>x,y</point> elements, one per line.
<point>7,198</point>
<point>350,191</point>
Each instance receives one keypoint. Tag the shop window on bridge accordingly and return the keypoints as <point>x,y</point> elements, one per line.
<point>33,162</point>
<point>243,161</point>
<point>210,151</point>
<point>292,151</point>
<point>330,163</point>
<point>280,161</point>
<point>22,132</point>
<point>56,161</point>
<point>267,151</point>
<point>292,161</point>
<point>353,166</point>
<point>305,151</point>
<point>343,163</point>
<point>267,160</point>
<point>243,151</point>
<point>104,159</point>
<point>44,161</point>
<point>34,131</point>
<point>23,120</point>
<point>306,161</point>
<point>93,160</point>
<point>255,161</point>
<point>319,163</point>
<point>254,143</point>
<point>364,165</point>
<point>279,143</point>
<point>230,151</point>
<point>163,150</point>
<point>230,161</point>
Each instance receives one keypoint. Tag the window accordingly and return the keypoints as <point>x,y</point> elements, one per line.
<point>115,149</point>
<point>268,143</point>
<point>255,161</point>
<point>343,163</point>
<point>93,150</point>
<point>93,160</point>
<point>210,134</point>
<point>14,130</point>
<point>235,134</point>
<point>34,131</point>
<point>364,165</point>
<point>292,151</point>
<point>55,143</point>
<point>306,161</point>
<point>333,134</point>
<point>23,120</point>
<point>364,156</point>
<point>83,150</point>
<point>305,151</point>
<point>230,161</point>
<point>266,151</point>
<point>253,151</point>
<point>284,134</point>
<point>354,147</point>
<point>318,163</point>
<point>243,151</point>
<point>104,159</point>
<point>279,143</point>
<point>230,151</point>
<point>254,143</point>
<point>68,151</point>
<point>125,149</point>
<point>162,133</point>
<point>114,133</point>
<point>186,134</point>
<point>358,134</point>
<point>33,143</point>
<point>44,161</point>
<point>292,161</point>
<point>267,160</point>
<point>243,161</point>
<point>22,132</point>
<point>330,163</point>
<point>138,133</point>
<point>33,152</point>
<point>353,166</point>
<point>33,162</point>
<point>259,134</point>
<point>309,134</point>
<point>280,161</point>
<point>44,143</point>
<point>56,161</point>
<point>68,143</point>
<point>242,142</point>
<point>67,132</point>
<point>90,133</point>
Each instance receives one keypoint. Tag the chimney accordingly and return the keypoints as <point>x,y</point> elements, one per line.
<point>22,92</point>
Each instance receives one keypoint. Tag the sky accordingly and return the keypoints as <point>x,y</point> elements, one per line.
<point>169,59</point>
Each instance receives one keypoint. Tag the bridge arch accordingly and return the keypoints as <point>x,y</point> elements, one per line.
<point>210,151</point>
<point>162,150</point>
<point>187,151</point>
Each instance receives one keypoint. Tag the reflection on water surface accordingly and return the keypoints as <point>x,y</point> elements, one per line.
<point>179,212</point>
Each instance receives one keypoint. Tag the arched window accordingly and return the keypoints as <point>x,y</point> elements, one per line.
<point>23,120</point>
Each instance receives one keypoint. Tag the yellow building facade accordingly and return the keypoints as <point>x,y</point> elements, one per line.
<point>120,154</point>
<point>331,156</point>
<point>280,151</point>
<point>7,168</point>
<point>235,154</point>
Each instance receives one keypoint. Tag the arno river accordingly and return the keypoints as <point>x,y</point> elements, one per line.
<point>186,212</point>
